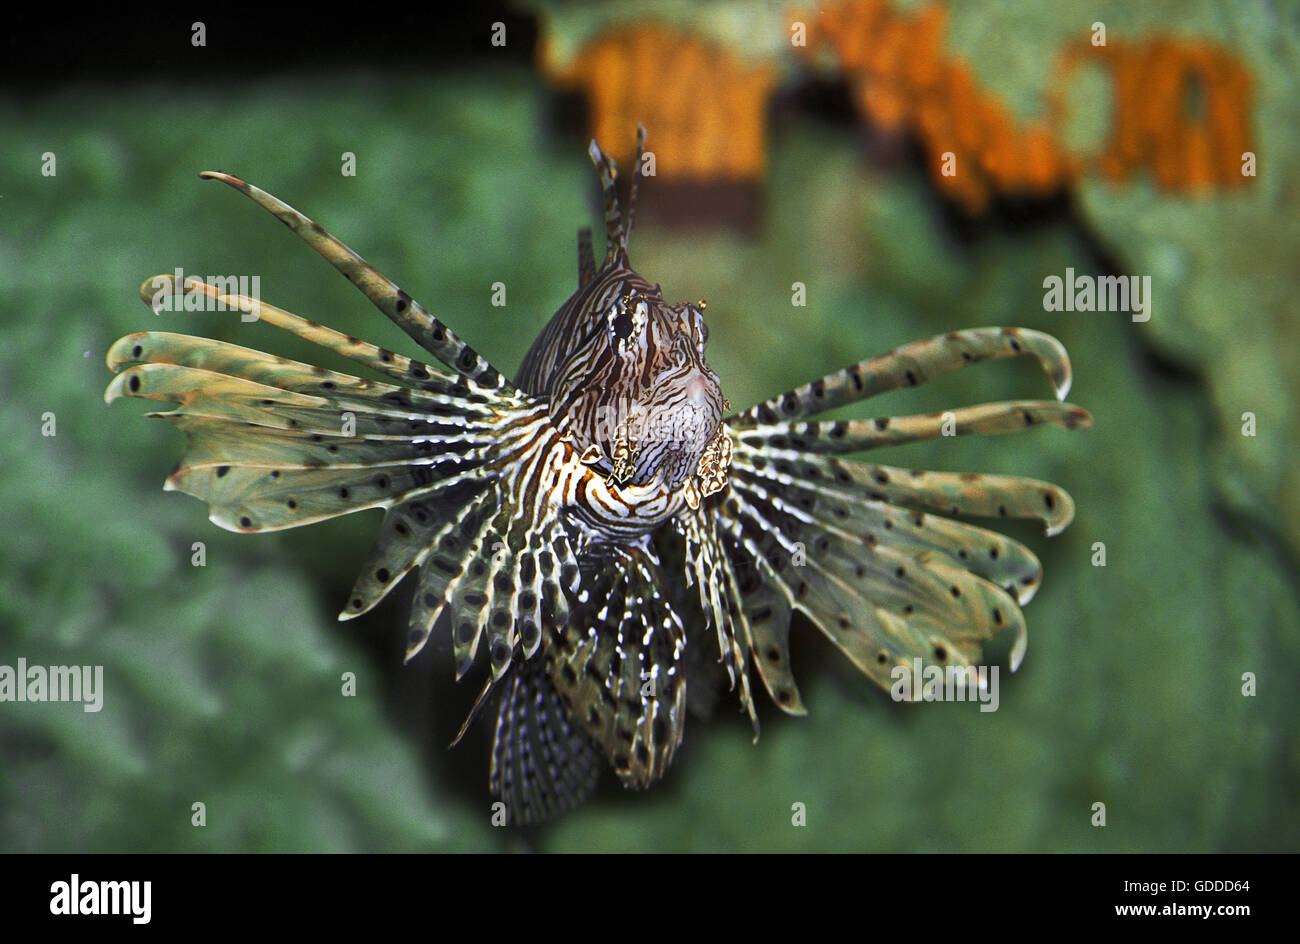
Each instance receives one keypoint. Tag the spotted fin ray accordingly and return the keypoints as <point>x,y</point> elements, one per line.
<point>618,666</point>
<point>274,443</point>
<point>862,549</point>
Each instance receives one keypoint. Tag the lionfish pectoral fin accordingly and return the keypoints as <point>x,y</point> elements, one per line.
<point>909,366</point>
<point>619,667</point>
<point>542,763</point>
<point>766,614</point>
<point>884,584</point>
<point>273,443</point>
<point>464,479</point>
<point>858,548</point>
<point>463,465</point>
<point>843,436</point>
<point>503,567</point>
<point>711,570</point>
<point>384,294</point>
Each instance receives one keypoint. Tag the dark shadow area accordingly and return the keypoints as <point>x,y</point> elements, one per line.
<point>111,50</point>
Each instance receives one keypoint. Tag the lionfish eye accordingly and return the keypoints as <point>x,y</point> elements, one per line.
<point>622,318</point>
<point>623,324</point>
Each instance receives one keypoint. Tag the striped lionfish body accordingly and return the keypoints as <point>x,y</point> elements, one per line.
<point>531,509</point>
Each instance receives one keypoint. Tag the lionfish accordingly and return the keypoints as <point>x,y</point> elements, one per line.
<point>536,510</point>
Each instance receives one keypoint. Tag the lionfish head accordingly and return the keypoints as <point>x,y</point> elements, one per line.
<point>635,391</point>
<point>656,403</point>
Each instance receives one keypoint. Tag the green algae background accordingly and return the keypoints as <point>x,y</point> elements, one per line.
<point>223,683</point>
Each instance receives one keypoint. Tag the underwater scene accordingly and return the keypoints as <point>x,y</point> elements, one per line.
<point>629,534</point>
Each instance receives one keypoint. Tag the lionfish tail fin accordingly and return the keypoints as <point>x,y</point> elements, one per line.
<point>542,763</point>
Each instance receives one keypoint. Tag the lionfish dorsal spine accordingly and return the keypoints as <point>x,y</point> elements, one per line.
<point>618,222</point>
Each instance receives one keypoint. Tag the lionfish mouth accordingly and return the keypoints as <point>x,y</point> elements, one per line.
<point>682,447</point>
<point>663,436</point>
